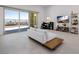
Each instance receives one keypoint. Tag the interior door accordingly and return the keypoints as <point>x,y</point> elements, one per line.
<point>33,19</point>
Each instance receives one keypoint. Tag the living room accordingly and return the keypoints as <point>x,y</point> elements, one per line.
<point>62,17</point>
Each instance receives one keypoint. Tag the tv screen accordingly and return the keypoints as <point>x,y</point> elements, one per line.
<point>62,18</point>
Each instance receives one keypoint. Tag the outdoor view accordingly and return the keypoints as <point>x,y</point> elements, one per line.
<point>15,19</point>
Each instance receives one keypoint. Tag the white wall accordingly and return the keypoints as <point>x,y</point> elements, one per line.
<point>1,21</point>
<point>61,10</point>
<point>37,8</point>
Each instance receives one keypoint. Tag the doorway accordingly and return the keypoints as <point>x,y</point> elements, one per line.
<point>33,19</point>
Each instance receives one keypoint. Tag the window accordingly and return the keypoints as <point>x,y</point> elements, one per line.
<point>15,20</point>
<point>24,17</point>
<point>11,19</point>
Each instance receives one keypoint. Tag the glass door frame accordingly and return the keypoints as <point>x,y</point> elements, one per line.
<point>4,8</point>
<point>21,19</point>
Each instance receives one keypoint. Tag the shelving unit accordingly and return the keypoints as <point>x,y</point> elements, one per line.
<point>74,23</point>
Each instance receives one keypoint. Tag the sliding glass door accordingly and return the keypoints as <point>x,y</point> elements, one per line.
<point>15,20</point>
<point>11,20</point>
<point>24,20</point>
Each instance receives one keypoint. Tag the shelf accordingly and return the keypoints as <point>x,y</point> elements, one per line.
<point>74,23</point>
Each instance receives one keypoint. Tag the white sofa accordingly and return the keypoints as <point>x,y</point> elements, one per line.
<point>40,35</point>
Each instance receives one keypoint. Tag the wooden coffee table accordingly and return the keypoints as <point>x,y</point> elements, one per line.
<point>51,44</point>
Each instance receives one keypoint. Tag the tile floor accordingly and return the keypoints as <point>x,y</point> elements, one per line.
<point>19,43</point>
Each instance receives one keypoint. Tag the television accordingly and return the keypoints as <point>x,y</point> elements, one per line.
<point>62,19</point>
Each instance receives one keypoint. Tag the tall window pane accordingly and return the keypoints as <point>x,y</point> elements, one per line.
<point>24,17</point>
<point>11,19</point>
